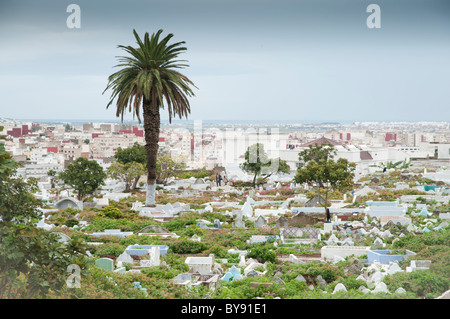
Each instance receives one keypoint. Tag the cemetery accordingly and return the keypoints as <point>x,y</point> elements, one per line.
<point>268,242</point>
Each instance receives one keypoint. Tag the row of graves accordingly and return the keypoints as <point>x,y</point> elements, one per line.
<point>346,235</point>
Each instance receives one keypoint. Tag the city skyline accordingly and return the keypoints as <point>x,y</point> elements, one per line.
<point>311,61</point>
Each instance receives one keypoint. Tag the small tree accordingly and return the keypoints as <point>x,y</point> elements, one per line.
<point>166,166</point>
<point>83,175</point>
<point>320,170</point>
<point>258,163</point>
<point>127,173</point>
<point>134,154</point>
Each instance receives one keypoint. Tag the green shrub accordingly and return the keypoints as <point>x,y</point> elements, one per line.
<point>187,247</point>
<point>328,272</point>
<point>420,282</point>
<point>111,212</point>
<point>113,249</point>
<point>71,222</point>
<point>262,253</point>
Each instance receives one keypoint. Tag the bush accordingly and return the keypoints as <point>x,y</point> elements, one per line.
<point>328,272</point>
<point>113,249</point>
<point>71,222</point>
<point>262,253</point>
<point>111,212</point>
<point>420,282</point>
<point>187,247</point>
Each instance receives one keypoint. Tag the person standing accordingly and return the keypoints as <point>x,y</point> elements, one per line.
<point>328,215</point>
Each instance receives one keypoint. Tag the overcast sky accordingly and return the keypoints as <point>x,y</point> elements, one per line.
<point>303,60</point>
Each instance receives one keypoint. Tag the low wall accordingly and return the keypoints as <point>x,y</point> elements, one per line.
<point>328,252</point>
<point>383,257</point>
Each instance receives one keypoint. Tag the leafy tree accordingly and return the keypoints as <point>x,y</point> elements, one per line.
<point>33,261</point>
<point>147,77</point>
<point>320,170</point>
<point>136,153</point>
<point>258,163</point>
<point>128,173</point>
<point>84,175</point>
<point>167,166</point>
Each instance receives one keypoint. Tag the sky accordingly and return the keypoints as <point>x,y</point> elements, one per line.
<point>296,60</point>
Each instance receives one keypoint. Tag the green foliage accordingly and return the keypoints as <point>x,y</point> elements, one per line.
<point>126,173</point>
<point>32,260</point>
<point>111,212</point>
<point>84,175</point>
<point>176,266</point>
<point>262,253</point>
<point>111,249</point>
<point>258,163</point>
<point>321,169</point>
<point>71,222</point>
<point>328,272</point>
<point>182,221</point>
<point>197,174</point>
<point>136,154</point>
<point>185,246</point>
<point>420,282</point>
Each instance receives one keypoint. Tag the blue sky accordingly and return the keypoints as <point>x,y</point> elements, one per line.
<point>305,60</point>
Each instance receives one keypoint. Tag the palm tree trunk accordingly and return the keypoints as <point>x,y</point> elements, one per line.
<point>151,129</point>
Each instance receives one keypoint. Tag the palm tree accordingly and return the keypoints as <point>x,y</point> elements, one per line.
<point>148,76</point>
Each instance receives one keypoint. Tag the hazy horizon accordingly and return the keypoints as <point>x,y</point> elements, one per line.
<point>302,61</point>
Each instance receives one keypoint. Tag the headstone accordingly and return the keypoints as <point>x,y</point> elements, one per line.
<point>378,276</point>
<point>386,234</point>
<point>377,243</point>
<point>339,287</point>
<point>347,242</point>
<point>282,222</point>
<point>260,221</point>
<point>124,258</point>
<point>155,253</point>
<point>247,210</point>
<point>300,278</point>
<point>332,240</point>
<point>394,268</point>
<point>238,222</point>
<point>105,263</point>
<point>227,277</point>
<point>400,290</point>
<point>234,270</point>
<point>241,261</point>
<point>380,287</point>
<point>424,212</point>
<point>320,280</point>
<point>363,289</point>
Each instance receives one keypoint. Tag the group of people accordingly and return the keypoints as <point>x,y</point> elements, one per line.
<point>221,177</point>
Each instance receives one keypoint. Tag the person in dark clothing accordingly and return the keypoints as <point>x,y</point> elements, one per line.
<point>328,215</point>
<point>218,179</point>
